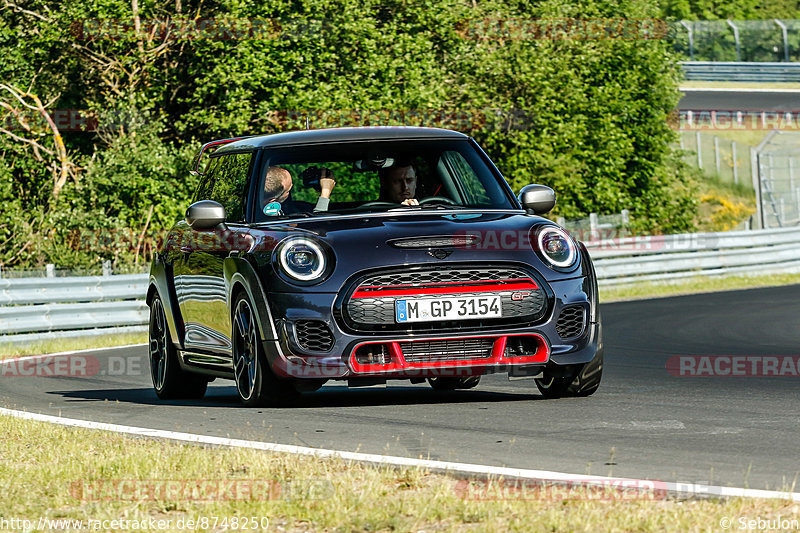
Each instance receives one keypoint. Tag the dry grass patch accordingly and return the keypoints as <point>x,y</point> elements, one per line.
<point>40,465</point>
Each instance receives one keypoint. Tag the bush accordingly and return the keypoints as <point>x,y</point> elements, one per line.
<point>590,115</point>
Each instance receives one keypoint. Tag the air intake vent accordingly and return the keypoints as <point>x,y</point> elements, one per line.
<point>447,350</point>
<point>570,322</point>
<point>314,335</point>
<point>438,241</point>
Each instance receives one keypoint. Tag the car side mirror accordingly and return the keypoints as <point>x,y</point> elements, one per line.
<point>205,215</point>
<point>537,199</point>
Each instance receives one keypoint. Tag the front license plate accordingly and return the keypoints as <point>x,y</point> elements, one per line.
<point>451,308</point>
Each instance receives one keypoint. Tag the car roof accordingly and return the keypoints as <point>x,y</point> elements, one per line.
<point>336,135</point>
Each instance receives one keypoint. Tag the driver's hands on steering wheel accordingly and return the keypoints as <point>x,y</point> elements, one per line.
<point>410,201</point>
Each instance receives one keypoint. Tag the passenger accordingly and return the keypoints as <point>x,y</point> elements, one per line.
<point>277,192</point>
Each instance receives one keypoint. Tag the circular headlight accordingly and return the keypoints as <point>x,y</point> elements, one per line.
<point>557,247</point>
<point>302,259</point>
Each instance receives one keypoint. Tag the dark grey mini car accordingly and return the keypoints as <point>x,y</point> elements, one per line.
<point>368,254</point>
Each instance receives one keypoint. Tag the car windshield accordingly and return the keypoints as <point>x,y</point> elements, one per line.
<point>379,176</point>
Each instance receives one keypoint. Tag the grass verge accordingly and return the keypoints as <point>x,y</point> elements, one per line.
<point>65,345</point>
<point>54,472</point>
<point>739,85</point>
<point>700,284</point>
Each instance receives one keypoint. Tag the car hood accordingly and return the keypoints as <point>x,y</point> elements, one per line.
<point>384,240</point>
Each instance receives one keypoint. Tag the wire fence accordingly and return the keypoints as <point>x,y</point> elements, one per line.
<point>778,167</point>
<point>771,169</point>
<point>737,40</point>
<point>727,159</point>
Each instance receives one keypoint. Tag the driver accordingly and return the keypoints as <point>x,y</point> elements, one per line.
<point>398,184</point>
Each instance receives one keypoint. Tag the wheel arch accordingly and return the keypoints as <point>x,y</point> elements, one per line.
<point>159,285</point>
<point>240,276</point>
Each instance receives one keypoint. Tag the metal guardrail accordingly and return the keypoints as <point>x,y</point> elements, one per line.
<point>33,309</point>
<point>669,257</point>
<point>26,291</point>
<point>36,308</point>
<point>741,71</point>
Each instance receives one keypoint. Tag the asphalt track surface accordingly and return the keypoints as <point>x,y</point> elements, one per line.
<point>642,422</point>
<point>740,100</point>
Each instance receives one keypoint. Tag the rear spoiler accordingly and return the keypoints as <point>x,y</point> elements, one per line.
<point>216,144</point>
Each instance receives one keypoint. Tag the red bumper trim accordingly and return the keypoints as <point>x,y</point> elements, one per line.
<point>498,355</point>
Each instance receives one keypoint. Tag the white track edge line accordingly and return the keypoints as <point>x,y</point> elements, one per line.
<point>736,90</point>
<point>70,352</point>
<point>692,489</point>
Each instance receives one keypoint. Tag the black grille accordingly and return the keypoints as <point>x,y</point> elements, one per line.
<point>313,335</point>
<point>570,322</point>
<point>426,277</point>
<point>447,350</point>
<point>372,311</point>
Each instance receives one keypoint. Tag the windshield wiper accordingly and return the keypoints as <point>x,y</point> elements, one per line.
<point>442,206</point>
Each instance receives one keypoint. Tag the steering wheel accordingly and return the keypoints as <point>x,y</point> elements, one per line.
<point>377,204</point>
<point>431,199</point>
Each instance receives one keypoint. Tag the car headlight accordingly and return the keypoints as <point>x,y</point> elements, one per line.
<point>302,259</point>
<point>556,247</point>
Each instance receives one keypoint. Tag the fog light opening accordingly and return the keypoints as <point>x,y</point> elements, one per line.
<point>373,354</point>
<point>522,346</point>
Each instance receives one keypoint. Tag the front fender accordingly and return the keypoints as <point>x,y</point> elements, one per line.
<point>240,275</point>
<point>164,285</point>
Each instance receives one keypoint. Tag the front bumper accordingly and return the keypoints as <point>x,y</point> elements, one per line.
<point>288,359</point>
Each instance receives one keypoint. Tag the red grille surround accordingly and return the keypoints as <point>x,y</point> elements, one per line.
<point>498,356</point>
<point>445,288</point>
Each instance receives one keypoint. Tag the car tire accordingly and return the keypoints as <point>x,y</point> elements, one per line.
<point>170,381</point>
<point>577,384</point>
<point>256,384</point>
<point>454,383</point>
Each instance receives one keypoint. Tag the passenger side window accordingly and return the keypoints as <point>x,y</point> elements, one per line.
<point>229,184</point>
<point>203,191</point>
